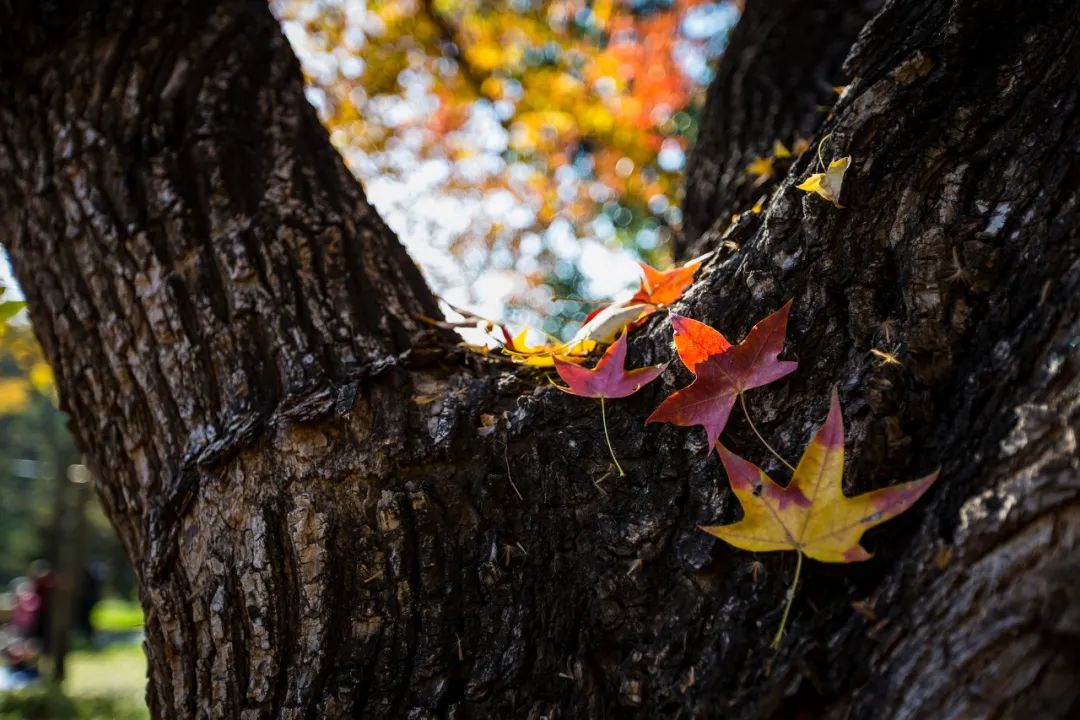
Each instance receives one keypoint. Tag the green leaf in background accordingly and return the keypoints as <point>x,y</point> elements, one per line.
<point>9,308</point>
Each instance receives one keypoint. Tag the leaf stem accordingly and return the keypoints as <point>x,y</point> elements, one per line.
<point>603,416</point>
<point>821,143</point>
<point>742,401</point>
<point>790,599</point>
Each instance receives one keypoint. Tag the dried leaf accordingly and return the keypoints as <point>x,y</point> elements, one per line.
<point>761,167</point>
<point>828,183</point>
<point>780,150</point>
<point>609,379</point>
<point>519,349</point>
<point>603,326</point>
<point>488,424</point>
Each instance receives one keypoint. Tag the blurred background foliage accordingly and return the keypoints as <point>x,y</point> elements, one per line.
<point>525,151</point>
<point>35,454</point>
<point>49,518</point>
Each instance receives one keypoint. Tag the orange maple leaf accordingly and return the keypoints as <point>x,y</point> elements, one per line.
<point>663,287</point>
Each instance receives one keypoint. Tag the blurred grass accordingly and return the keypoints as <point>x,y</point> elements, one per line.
<point>49,703</point>
<point>106,684</point>
<point>118,670</point>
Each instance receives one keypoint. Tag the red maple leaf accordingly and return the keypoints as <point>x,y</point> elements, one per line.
<point>723,371</point>
<point>610,378</point>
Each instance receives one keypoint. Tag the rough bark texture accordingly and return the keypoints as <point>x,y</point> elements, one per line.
<point>317,536</point>
<point>772,83</point>
<point>205,259</point>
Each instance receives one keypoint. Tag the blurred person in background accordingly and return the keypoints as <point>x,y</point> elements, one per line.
<point>27,607</point>
<point>19,645</point>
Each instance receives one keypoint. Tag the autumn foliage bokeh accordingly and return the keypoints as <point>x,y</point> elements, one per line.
<point>535,129</point>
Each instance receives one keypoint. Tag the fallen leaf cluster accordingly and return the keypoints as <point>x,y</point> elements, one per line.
<point>658,289</point>
<point>810,515</point>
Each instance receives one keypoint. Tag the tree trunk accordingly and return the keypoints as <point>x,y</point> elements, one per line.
<point>234,336</point>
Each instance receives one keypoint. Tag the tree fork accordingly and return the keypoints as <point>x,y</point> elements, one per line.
<point>232,331</point>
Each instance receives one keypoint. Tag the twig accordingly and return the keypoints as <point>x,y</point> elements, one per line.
<point>601,479</point>
<point>465,313</point>
<point>447,324</point>
<point>506,457</point>
<point>581,301</point>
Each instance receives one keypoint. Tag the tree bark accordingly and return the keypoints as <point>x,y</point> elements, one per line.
<point>293,465</point>
<point>773,83</point>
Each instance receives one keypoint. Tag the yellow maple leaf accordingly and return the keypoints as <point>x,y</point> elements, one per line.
<point>811,515</point>
<point>828,184</point>
<point>780,150</point>
<point>761,167</point>
<point>544,355</point>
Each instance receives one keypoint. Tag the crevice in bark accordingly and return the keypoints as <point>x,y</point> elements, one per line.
<point>771,82</point>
